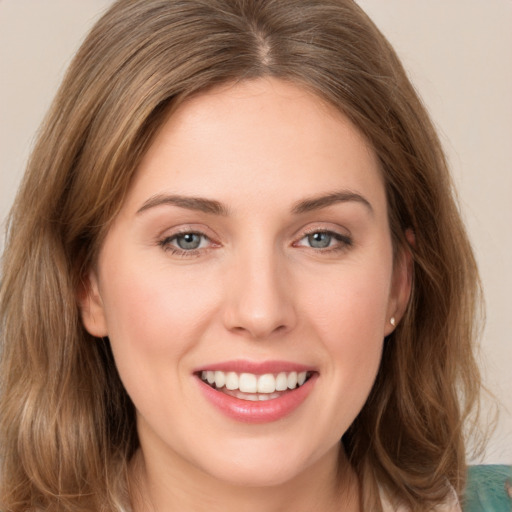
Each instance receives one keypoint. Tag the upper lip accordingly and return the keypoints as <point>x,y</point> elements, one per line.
<point>256,367</point>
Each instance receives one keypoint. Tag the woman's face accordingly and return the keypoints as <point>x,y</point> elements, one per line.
<point>253,250</point>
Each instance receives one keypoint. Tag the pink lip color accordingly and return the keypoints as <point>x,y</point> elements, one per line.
<point>258,412</point>
<point>258,368</point>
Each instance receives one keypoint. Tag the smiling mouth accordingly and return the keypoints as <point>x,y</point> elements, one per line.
<point>252,387</point>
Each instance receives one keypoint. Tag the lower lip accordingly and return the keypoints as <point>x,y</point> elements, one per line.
<point>266,411</point>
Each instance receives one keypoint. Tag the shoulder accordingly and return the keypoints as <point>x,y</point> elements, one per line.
<point>450,505</point>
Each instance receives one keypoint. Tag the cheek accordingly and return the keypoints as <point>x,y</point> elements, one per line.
<point>350,306</point>
<point>349,318</point>
<point>154,321</point>
<point>154,318</point>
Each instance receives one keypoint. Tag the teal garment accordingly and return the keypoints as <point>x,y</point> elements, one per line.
<point>486,489</point>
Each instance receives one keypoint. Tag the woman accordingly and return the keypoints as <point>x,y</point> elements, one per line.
<point>235,274</point>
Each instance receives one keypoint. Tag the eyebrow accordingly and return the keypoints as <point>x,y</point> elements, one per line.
<point>323,201</point>
<point>216,208</point>
<point>190,203</point>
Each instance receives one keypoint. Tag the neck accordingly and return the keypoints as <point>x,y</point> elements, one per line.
<point>330,484</point>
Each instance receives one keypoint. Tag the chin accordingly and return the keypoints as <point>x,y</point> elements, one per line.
<point>262,467</point>
<point>258,477</point>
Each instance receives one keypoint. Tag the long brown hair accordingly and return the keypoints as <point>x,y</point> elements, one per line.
<point>67,428</point>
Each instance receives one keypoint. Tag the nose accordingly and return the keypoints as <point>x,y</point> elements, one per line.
<point>259,300</point>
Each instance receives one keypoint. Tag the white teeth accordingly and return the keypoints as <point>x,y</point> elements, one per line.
<point>292,380</point>
<point>253,397</point>
<point>266,383</point>
<point>248,383</point>
<point>231,380</point>
<point>220,379</point>
<point>261,386</point>
<point>282,382</point>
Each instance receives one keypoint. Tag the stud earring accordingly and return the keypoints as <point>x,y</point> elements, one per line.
<point>392,321</point>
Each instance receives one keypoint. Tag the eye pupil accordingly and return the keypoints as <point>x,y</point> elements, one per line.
<point>319,240</point>
<point>188,241</point>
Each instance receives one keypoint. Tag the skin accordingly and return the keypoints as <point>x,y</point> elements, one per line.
<point>256,288</point>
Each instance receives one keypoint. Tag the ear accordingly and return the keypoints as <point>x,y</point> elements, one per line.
<point>91,307</point>
<point>401,285</point>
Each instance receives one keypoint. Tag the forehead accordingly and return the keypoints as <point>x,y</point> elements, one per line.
<point>265,136</point>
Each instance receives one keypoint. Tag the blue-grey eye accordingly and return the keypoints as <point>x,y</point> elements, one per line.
<point>189,241</point>
<point>320,240</point>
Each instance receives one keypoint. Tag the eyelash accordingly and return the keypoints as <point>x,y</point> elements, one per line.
<point>344,242</point>
<point>166,242</point>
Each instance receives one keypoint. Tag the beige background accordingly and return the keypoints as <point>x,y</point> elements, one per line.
<point>458,53</point>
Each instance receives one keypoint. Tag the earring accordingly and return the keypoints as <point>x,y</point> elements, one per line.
<point>392,321</point>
